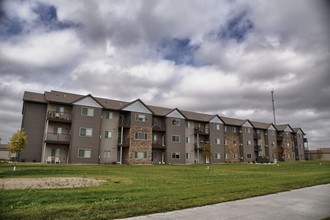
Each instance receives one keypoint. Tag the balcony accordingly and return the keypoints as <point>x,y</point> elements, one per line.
<point>279,137</point>
<point>201,131</point>
<point>256,135</point>
<point>57,138</point>
<point>125,143</point>
<point>59,116</point>
<point>124,122</point>
<point>158,128</point>
<point>257,148</point>
<point>158,145</point>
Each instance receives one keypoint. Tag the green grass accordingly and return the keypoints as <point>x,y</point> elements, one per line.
<point>140,190</point>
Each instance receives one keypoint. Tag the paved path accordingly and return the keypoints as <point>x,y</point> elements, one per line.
<point>307,203</point>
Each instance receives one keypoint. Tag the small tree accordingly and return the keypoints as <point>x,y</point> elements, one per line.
<point>207,151</point>
<point>319,154</point>
<point>17,143</point>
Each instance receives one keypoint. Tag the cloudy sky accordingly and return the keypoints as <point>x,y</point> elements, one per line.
<point>219,57</point>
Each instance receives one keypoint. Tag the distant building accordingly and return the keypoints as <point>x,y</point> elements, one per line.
<point>70,128</point>
<point>4,152</point>
<point>315,154</point>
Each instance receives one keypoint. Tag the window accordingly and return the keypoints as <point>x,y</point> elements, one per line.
<point>188,155</point>
<point>247,130</point>
<point>273,143</point>
<point>84,153</point>
<point>176,122</point>
<point>141,117</point>
<point>217,127</point>
<point>288,144</point>
<point>287,134</point>
<point>86,132</point>
<point>87,111</point>
<point>59,109</point>
<point>225,128</point>
<point>188,124</point>
<point>226,156</point>
<point>140,154</point>
<point>217,141</point>
<point>107,134</point>
<point>106,154</point>
<point>235,156</point>
<point>234,129</point>
<point>225,142</point>
<point>141,136</point>
<point>249,156</point>
<point>248,142</point>
<point>108,115</point>
<point>217,156</point>
<point>176,155</point>
<point>234,142</point>
<point>188,140</point>
<point>175,138</point>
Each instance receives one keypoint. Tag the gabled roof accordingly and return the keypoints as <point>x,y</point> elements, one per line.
<point>137,106</point>
<point>194,116</point>
<point>283,127</point>
<point>34,97</point>
<point>295,130</point>
<point>111,104</point>
<point>232,121</point>
<point>260,125</point>
<point>176,113</point>
<point>88,100</point>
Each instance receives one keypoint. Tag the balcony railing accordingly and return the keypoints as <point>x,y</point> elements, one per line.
<point>158,127</point>
<point>59,116</point>
<point>158,144</point>
<point>58,138</point>
<point>124,122</point>
<point>201,131</point>
<point>257,148</point>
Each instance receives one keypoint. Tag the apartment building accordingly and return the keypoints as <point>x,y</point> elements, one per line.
<point>83,129</point>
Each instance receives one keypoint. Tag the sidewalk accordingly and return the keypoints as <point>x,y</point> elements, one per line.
<point>307,203</point>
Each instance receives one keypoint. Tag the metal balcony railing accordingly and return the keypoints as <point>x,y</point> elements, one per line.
<point>57,138</point>
<point>59,116</point>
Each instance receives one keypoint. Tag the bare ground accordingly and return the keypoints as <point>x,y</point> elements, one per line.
<point>48,183</point>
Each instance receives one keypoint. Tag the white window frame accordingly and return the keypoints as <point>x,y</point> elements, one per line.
<point>188,140</point>
<point>188,124</point>
<point>175,122</point>
<point>225,142</point>
<point>108,115</point>
<point>188,156</point>
<point>248,156</point>
<point>89,113</point>
<point>226,156</point>
<point>217,156</point>
<point>217,127</point>
<point>247,130</point>
<point>141,117</point>
<point>234,129</point>
<point>140,155</point>
<point>248,142</point>
<point>175,155</point>
<point>235,142</point>
<point>88,132</point>
<point>217,141</point>
<point>107,154</point>
<point>107,134</point>
<point>142,136</point>
<point>175,138</point>
<point>85,151</point>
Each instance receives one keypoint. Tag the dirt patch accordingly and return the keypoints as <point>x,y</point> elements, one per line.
<point>48,183</point>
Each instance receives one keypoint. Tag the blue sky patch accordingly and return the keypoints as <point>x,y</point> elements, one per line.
<point>236,28</point>
<point>10,27</point>
<point>178,50</point>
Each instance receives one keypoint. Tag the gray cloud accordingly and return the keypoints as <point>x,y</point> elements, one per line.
<point>215,57</point>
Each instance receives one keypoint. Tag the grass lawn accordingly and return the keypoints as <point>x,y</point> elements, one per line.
<point>138,190</point>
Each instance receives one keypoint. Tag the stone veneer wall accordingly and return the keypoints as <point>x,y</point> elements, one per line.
<point>230,148</point>
<point>140,145</point>
<point>288,152</point>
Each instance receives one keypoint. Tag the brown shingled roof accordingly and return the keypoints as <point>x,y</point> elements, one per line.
<point>160,111</point>
<point>260,125</point>
<point>197,116</point>
<point>62,97</point>
<point>34,97</point>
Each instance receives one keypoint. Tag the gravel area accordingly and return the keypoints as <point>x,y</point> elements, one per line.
<point>48,183</point>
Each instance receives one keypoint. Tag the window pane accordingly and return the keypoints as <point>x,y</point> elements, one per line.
<point>81,153</point>
<point>87,153</point>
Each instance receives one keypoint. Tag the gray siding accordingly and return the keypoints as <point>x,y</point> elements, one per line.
<point>33,122</point>
<point>88,143</point>
<point>175,147</point>
<point>217,148</point>
<point>248,148</point>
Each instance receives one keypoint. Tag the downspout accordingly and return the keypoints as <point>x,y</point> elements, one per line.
<point>198,148</point>
<point>121,145</point>
<point>44,141</point>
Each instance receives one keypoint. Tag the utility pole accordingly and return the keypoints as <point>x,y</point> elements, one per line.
<point>273,101</point>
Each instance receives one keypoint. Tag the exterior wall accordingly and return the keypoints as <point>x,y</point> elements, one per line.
<point>287,146</point>
<point>88,143</point>
<point>299,146</point>
<point>63,155</point>
<point>217,148</point>
<point>272,145</point>
<point>33,122</point>
<point>248,148</point>
<point>109,144</point>
<point>232,150</point>
<point>190,143</point>
<point>140,146</point>
<point>175,147</point>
